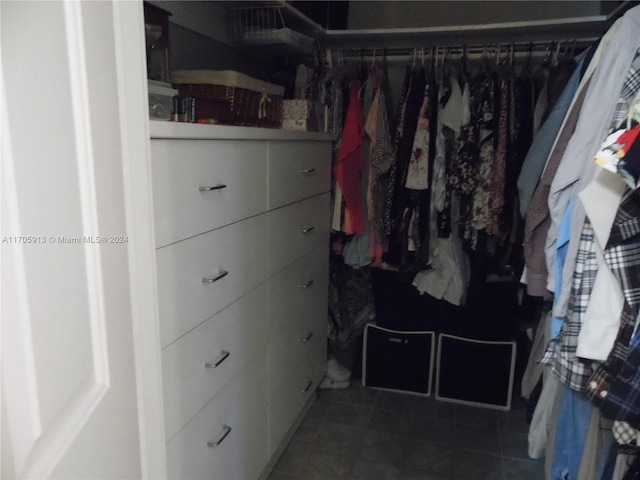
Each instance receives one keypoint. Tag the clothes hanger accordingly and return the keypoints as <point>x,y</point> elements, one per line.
<point>511,55</point>
<point>463,62</point>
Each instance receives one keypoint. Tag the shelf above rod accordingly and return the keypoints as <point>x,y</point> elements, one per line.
<point>583,28</point>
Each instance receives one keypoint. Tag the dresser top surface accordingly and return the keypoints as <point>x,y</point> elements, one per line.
<point>163,129</point>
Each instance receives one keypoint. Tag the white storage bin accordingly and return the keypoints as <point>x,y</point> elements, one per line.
<point>160,100</point>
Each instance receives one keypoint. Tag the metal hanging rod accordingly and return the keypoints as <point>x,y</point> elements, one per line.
<point>520,49</point>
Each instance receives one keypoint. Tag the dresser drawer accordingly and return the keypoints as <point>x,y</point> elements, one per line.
<point>192,284</point>
<point>198,365</point>
<point>296,229</point>
<point>289,400</point>
<point>298,170</point>
<point>301,289</point>
<point>243,453</point>
<point>199,185</point>
<point>292,345</point>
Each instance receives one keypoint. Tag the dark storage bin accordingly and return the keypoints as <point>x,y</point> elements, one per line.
<point>475,372</point>
<point>398,360</point>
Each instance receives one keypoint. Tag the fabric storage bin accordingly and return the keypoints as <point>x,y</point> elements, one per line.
<point>302,115</point>
<point>475,372</point>
<point>396,360</point>
<point>231,98</point>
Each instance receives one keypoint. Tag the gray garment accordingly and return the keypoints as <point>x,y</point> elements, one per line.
<point>535,370</point>
<point>623,462</point>
<point>596,448</point>
<point>545,418</point>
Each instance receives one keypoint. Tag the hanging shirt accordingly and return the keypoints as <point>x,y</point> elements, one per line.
<point>538,154</point>
<point>499,170</point>
<point>577,168</point>
<point>481,209</point>
<point>561,352</point>
<point>418,175</point>
<point>348,167</point>
<point>537,219</point>
<point>615,386</point>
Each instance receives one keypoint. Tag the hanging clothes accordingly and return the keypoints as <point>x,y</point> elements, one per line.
<point>382,159</point>
<point>348,167</point>
<point>499,169</point>
<point>404,202</point>
<point>481,209</point>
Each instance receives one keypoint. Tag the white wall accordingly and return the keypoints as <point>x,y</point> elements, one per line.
<point>209,18</point>
<point>202,36</point>
<point>429,13</point>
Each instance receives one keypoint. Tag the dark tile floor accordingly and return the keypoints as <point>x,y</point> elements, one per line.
<point>366,434</point>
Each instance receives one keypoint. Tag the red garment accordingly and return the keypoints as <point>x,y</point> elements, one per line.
<point>348,167</point>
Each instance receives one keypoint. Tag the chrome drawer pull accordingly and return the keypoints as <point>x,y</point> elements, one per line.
<point>209,189</point>
<point>226,430</point>
<point>223,356</point>
<point>307,229</point>
<point>307,336</point>
<point>223,273</point>
<point>307,285</point>
<point>306,388</point>
<point>307,170</point>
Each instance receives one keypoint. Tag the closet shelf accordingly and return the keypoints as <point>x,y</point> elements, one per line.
<point>582,28</point>
<point>574,28</point>
<point>275,27</point>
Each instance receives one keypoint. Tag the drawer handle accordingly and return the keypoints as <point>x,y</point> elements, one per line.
<point>307,336</point>
<point>307,229</point>
<point>209,189</point>
<point>223,273</point>
<point>307,285</point>
<point>307,386</point>
<point>307,170</point>
<point>223,356</point>
<point>226,430</point>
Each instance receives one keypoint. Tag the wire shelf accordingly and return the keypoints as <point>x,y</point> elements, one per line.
<point>265,27</point>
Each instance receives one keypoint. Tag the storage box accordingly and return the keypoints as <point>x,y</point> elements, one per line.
<point>475,372</point>
<point>395,360</point>
<point>160,100</point>
<point>302,115</point>
<point>231,98</point>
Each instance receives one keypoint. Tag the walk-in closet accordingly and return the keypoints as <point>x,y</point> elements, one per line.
<point>320,240</point>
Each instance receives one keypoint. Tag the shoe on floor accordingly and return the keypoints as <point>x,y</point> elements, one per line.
<point>328,383</point>
<point>337,372</point>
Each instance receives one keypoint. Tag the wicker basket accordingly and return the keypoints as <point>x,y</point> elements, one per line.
<point>231,98</point>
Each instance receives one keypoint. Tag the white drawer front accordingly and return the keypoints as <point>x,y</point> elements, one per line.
<point>190,369</point>
<point>180,168</point>
<point>299,290</point>
<point>243,453</point>
<point>296,229</point>
<point>298,170</point>
<point>291,346</point>
<point>188,292</point>
<point>285,407</point>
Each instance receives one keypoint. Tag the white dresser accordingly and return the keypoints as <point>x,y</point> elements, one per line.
<point>242,228</point>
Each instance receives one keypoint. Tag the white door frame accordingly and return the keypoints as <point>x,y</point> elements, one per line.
<point>131,61</point>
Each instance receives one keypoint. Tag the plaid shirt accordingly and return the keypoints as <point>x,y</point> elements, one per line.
<point>561,352</point>
<point>615,385</point>
<point>629,90</point>
<point>624,433</point>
